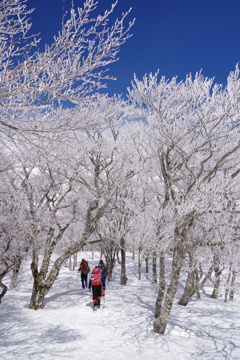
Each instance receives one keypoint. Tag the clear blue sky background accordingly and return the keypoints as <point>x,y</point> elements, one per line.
<point>177,37</point>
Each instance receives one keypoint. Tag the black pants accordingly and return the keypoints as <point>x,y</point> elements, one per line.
<point>97,292</point>
<point>84,279</point>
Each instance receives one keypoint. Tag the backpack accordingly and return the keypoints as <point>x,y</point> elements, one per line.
<point>96,278</point>
<point>84,267</point>
<point>104,270</point>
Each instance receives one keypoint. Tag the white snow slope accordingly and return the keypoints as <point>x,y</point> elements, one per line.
<point>67,328</point>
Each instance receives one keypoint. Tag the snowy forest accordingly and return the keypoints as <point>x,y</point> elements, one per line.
<point>155,174</point>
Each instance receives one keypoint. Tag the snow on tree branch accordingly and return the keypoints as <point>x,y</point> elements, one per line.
<point>70,69</point>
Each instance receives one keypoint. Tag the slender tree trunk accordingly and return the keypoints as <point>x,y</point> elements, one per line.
<point>194,283</point>
<point>217,272</point>
<point>228,284</point>
<point>16,269</point>
<point>123,277</point>
<point>147,264</point>
<point>72,262</point>
<point>216,288</point>
<point>14,277</point>
<point>75,260</point>
<point>162,284</point>
<point>110,257</point>
<point>231,295</point>
<point>154,267</point>
<point>110,266</point>
<point>4,287</point>
<point>118,257</point>
<point>160,324</point>
<point>197,284</point>
<point>189,289</point>
<point>139,263</point>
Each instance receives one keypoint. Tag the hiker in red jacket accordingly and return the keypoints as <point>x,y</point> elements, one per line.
<point>96,281</point>
<point>84,270</point>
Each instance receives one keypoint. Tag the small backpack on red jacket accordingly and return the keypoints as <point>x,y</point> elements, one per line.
<point>96,278</point>
<point>84,268</point>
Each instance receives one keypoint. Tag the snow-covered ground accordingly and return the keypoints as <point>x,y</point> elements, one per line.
<point>67,328</point>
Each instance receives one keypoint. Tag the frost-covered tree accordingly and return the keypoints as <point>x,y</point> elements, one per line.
<point>193,128</point>
<point>14,235</point>
<point>35,85</point>
<point>73,67</point>
<point>114,226</point>
<point>69,185</point>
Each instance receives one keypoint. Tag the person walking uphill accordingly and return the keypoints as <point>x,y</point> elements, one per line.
<point>84,270</point>
<point>96,281</point>
<point>104,272</point>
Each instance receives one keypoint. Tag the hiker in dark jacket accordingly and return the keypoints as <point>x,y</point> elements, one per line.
<point>96,282</point>
<point>104,272</point>
<point>84,270</point>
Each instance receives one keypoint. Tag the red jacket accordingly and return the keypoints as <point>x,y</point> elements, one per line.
<point>96,277</point>
<point>84,267</point>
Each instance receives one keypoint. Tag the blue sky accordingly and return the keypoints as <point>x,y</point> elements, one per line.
<point>177,37</point>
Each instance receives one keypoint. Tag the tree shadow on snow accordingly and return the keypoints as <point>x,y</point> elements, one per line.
<point>57,296</point>
<point>28,341</point>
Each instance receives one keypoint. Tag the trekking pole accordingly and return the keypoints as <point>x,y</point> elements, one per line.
<point>104,299</point>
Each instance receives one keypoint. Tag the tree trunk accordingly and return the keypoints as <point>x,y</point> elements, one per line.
<point>75,259</point>
<point>147,264</point>
<point>217,272</point>
<point>118,257</point>
<point>139,263</point>
<point>160,324</point>
<point>110,257</point>
<point>162,284</point>
<point>154,267</point>
<point>110,265</point>
<point>4,287</point>
<point>189,289</point>
<point>199,282</point>
<point>228,284</point>
<point>42,282</point>
<point>231,295</point>
<point>43,279</point>
<point>15,271</point>
<point>14,277</point>
<point>216,289</point>
<point>123,277</point>
<point>72,262</point>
